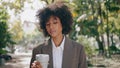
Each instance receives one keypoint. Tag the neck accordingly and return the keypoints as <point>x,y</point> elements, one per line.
<point>57,40</point>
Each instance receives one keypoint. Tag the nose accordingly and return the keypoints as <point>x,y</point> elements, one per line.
<point>51,26</point>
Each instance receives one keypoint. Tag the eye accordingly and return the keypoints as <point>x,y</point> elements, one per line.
<point>47,24</point>
<point>55,21</point>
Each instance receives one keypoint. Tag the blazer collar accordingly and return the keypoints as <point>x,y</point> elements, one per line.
<point>67,53</point>
<point>47,49</point>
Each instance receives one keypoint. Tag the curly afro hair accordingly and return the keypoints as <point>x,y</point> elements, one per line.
<point>59,10</point>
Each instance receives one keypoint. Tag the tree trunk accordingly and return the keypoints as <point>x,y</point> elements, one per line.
<point>119,38</point>
<point>103,43</point>
<point>112,39</point>
<point>100,45</point>
<point>108,42</point>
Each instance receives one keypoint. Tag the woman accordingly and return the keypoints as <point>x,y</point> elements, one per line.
<point>56,21</point>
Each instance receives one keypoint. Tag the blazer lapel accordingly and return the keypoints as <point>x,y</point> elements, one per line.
<point>67,54</point>
<point>47,49</point>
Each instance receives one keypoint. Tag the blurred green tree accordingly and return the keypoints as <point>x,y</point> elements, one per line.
<point>97,18</point>
<point>5,35</point>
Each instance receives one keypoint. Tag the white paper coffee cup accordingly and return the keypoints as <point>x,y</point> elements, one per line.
<point>43,59</point>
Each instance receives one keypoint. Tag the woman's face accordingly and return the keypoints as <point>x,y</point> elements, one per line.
<point>54,26</point>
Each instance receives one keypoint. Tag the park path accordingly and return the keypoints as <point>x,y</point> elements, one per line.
<point>20,60</point>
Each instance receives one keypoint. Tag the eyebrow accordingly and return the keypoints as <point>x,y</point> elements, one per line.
<point>55,18</point>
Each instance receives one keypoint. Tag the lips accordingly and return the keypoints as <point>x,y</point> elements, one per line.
<point>52,31</point>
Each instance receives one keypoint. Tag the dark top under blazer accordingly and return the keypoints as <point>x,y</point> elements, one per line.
<point>73,54</point>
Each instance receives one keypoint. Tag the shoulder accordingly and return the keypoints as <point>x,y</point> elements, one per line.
<point>78,45</point>
<point>39,47</point>
<point>73,43</point>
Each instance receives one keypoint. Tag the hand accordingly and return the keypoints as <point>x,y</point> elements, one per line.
<point>36,64</point>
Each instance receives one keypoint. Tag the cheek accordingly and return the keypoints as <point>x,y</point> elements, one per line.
<point>47,30</point>
<point>60,28</point>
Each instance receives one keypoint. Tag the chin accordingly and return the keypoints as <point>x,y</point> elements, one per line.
<point>53,36</point>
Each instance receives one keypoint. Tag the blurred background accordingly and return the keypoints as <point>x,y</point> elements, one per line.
<point>96,26</point>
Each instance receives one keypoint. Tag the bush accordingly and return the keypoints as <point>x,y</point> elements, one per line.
<point>89,43</point>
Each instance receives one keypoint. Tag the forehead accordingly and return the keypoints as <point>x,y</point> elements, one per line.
<point>52,18</point>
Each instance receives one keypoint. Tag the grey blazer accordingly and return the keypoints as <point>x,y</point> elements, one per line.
<point>73,54</point>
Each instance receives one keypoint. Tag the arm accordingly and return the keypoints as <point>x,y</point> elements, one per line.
<point>82,59</point>
<point>35,51</point>
<point>33,57</point>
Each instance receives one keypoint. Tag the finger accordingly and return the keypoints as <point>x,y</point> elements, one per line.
<point>37,64</point>
<point>33,65</point>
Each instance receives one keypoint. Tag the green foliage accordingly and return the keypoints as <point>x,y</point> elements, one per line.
<point>89,44</point>
<point>17,31</point>
<point>16,5</point>
<point>114,49</point>
<point>3,51</point>
<point>5,36</point>
<point>89,27</point>
<point>102,18</point>
<point>112,6</point>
